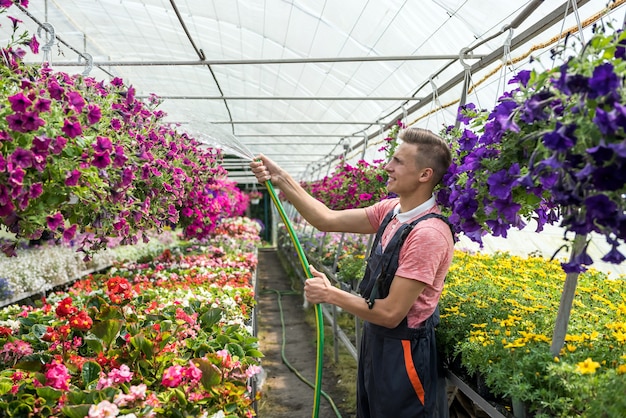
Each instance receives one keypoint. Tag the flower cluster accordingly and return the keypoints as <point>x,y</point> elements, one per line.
<point>497,317</point>
<point>86,161</point>
<point>168,336</point>
<point>552,149</point>
<point>356,186</point>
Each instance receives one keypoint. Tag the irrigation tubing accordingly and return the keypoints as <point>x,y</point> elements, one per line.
<point>279,295</point>
<point>319,318</point>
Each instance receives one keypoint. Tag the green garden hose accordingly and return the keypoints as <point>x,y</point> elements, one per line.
<point>279,295</point>
<point>319,319</point>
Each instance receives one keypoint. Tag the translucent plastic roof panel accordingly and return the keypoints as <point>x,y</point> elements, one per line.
<point>292,79</point>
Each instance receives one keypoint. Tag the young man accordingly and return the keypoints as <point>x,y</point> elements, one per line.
<point>397,372</point>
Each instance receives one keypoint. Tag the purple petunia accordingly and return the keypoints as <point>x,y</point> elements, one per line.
<point>603,81</point>
<point>561,139</point>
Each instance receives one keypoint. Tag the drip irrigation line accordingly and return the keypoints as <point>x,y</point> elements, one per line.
<point>279,295</point>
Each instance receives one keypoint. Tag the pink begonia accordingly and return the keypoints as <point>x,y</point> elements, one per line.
<point>253,370</point>
<point>13,351</point>
<point>121,375</point>
<point>172,376</point>
<point>135,393</point>
<point>57,376</point>
<point>193,373</point>
<point>104,409</point>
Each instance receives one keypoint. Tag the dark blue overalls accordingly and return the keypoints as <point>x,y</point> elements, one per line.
<point>398,368</point>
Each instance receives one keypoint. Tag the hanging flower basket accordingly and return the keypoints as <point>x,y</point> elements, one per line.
<point>255,196</point>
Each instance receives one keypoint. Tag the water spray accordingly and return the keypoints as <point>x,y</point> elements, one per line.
<point>211,136</point>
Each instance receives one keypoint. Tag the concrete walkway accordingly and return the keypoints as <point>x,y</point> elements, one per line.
<point>526,242</point>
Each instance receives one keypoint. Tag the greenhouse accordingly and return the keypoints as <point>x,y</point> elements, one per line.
<point>185,190</point>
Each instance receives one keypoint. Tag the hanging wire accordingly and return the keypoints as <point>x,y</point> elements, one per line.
<point>467,76</point>
<point>506,61</point>
<point>434,103</point>
<point>577,17</point>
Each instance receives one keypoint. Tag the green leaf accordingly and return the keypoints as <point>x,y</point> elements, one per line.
<point>140,342</point>
<point>107,330</point>
<point>94,343</point>
<point>235,350</point>
<point>49,394</point>
<point>76,411</point>
<point>5,386</point>
<point>90,373</point>
<point>211,375</point>
<point>211,317</point>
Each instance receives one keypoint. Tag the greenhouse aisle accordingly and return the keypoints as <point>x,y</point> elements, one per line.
<point>284,395</point>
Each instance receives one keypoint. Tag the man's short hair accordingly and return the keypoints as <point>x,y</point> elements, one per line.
<point>433,151</point>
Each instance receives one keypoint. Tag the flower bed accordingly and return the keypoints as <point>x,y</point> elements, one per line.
<point>498,313</point>
<point>168,337</point>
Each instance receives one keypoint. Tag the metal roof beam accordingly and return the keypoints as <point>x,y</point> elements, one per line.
<point>442,57</point>
<point>290,98</point>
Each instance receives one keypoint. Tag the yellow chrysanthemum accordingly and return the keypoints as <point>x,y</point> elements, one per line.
<point>588,366</point>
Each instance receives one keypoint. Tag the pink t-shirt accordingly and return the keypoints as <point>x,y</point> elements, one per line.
<point>425,256</point>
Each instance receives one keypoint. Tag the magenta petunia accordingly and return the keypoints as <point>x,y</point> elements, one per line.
<point>19,102</point>
<point>16,177</point>
<point>34,45</point>
<point>101,160</point>
<point>69,233</point>
<point>55,221</point>
<point>71,178</point>
<point>119,159</point>
<point>76,100</point>
<point>59,144</point>
<point>72,129</point>
<point>42,105</point>
<point>127,177</point>
<point>55,90</point>
<point>35,191</point>
<point>21,158</point>
<point>94,114</point>
<point>116,124</point>
<point>103,144</point>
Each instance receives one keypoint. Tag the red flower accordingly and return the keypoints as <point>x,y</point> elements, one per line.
<point>81,321</point>
<point>65,308</point>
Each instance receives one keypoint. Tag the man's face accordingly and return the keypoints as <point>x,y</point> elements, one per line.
<point>402,169</point>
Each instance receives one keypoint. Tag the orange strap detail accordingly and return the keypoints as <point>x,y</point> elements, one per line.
<point>410,369</point>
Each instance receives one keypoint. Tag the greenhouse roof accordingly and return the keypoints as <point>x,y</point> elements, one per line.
<point>309,81</point>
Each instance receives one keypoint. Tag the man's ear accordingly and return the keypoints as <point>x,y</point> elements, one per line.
<point>426,174</point>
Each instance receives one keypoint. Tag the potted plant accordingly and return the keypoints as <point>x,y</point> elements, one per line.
<point>255,196</point>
